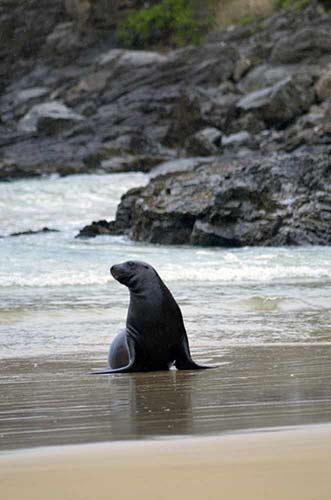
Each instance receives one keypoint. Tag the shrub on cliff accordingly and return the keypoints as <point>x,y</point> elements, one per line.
<point>175,23</point>
<point>171,22</point>
<point>292,4</point>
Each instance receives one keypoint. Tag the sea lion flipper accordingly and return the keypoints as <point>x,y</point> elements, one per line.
<point>183,359</point>
<point>130,367</point>
<point>109,371</point>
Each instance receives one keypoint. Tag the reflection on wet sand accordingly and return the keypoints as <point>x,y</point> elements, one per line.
<point>55,401</point>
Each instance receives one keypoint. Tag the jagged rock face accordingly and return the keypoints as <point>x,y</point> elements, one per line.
<point>281,103</point>
<point>152,118</point>
<point>307,43</point>
<point>237,91</point>
<point>122,223</point>
<point>281,200</point>
<point>24,26</point>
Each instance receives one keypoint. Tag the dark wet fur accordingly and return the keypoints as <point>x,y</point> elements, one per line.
<point>155,337</point>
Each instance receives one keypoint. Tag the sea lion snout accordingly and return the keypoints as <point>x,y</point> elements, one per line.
<point>115,271</point>
<point>123,272</point>
<point>131,272</point>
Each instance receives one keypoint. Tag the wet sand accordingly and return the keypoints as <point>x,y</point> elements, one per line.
<point>279,465</point>
<point>169,434</point>
<point>54,401</point>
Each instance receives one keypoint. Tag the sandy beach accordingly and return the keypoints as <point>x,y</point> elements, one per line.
<point>291,464</point>
<point>261,315</point>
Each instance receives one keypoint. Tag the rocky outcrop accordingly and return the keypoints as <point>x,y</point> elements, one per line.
<point>124,219</point>
<point>278,200</point>
<point>281,103</point>
<point>100,228</point>
<point>305,44</point>
<point>244,90</point>
<point>48,118</point>
<point>30,232</point>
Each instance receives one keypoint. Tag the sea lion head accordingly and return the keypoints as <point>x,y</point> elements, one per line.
<point>133,273</point>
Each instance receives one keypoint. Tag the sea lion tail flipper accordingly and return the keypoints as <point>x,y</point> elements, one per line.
<point>129,368</point>
<point>109,371</point>
<point>183,359</point>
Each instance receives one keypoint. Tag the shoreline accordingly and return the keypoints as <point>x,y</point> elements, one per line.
<point>278,463</point>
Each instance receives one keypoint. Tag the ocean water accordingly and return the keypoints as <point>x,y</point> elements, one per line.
<point>56,293</point>
<point>254,311</point>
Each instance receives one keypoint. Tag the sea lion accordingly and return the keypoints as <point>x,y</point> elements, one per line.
<point>155,337</point>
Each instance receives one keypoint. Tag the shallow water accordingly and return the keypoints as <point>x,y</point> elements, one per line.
<point>264,314</point>
<point>51,401</point>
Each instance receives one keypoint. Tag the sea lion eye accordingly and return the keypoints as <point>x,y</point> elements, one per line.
<point>131,264</point>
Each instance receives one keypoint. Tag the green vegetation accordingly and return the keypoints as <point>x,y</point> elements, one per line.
<point>176,23</point>
<point>291,4</point>
<point>172,22</point>
<point>246,20</point>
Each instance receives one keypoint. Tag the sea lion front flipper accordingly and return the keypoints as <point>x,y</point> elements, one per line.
<point>183,359</point>
<point>129,368</point>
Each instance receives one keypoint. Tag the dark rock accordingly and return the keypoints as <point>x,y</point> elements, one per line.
<point>147,105</point>
<point>249,122</point>
<point>185,118</point>
<point>99,228</point>
<point>238,139</point>
<point>214,108</point>
<point>31,94</point>
<point>44,156</point>
<point>206,142</point>
<point>44,230</point>
<point>24,27</point>
<point>275,200</point>
<point>281,103</point>
<point>123,221</point>
<point>180,165</point>
<point>124,211</point>
<point>323,85</point>
<point>205,234</point>
<point>132,58</point>
<point>307,43</point>
<point>130,163</point>
<point>265,75</point>
<point>65,44</point>
<point>227,87</point>
<point>312,128</point>
<point>49,118</point>
<point>113,157</point>
<point>161,214</point>
<point>242,67</point>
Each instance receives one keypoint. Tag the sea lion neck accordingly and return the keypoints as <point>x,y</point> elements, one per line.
<point>143,288</point>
